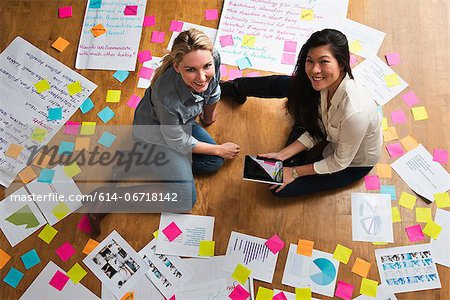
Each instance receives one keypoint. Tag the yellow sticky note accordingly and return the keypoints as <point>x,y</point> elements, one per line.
<point>423,214</point>
<point>4,258</point>
<point>264,294</point>
<point>369,287</point>
<point>38,134</point>
<point>384,124</point>
<point>307,14</point>
<point>82,143</point>
<point>42,86</point>
<point>432,229</point>
<point>409,142</point>
<point>74,88</point>
<point>98,30</point>
<point>76,273</point>
<point>303,294</point>
<point>248,40</point>
<point>361,267</point>
<point>305,247</point>
<point>87,128</point>
<point>407,200</point>
<point>27,174</point>
<point>206,248</point>
<point>48,233</point>
<point>90,245</point>
<point>241,273</point>
<point>60,44</point>
<point>390,134</point>
<point>379,243</point>
<point>355,46</point>
<point>442,200</point>
<point>41,160</point>
<point>60,210</point>
<point>155,234</point>
<point>72,170</point>
<point>392,80</point>
<point>113,96</point>
<point>384,170</point>
<point>419,113</point>
<point>396,215</point>
<point>342,253</point>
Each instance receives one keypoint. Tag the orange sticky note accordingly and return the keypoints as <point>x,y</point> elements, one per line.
<point>90,245</point>
<point>361,267</point>
<point>82,143</point>
<point>384,170</point>
<point>305,247</point>
<point>41,160</point>
<point>27,174</point>
<point>98,30</point>
<point>14,151</point>
<point>390,134</point>
<point>4,258</point>
<point>129,296</point>
<point>409,142</point>
<point>60,44</point>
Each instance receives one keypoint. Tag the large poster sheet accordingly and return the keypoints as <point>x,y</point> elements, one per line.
<point>256,31</point>
<point>117,47</point>
<point>24,110</point>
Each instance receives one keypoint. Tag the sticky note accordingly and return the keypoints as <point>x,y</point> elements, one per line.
<point>372,182</point>
<point>290,46</point>
<point>440,155</point>
<point>172,231</point>
<point>146,73</point>
<point>307,14</point>
<point>342,253</point>
<point>390,134</point>
<point>226,40</point>
<point>344,290</point>
<point>87,128</point>
<point>121,75</point>
<point>65,251</point>
<point>90,245</point>
<point>133,101</point>
<point>87,105</point>
<point>60,44</point>
<point>353,60</point>
<point>130,10</point>
<point>233,73</point>
<point>95,3</point>
<point>65,12</point>
<point>14,151</point>
<point>48,233</point>
<point>4,258</point>
<point>379,243</point>
<point>30,259</point>
<point>211,14</point>
<point>248,41</point>
<point>409,142</point>
<point>442,200</point>
<point>407,200</point>
<point>396,215</point>
<point>239,293</point>
<point>13,277</point>
<point>176,26</point>
<point>432,229</point>
<point>392,58</point>
<point>355,46</point>
<point>419,113</point>
<point>144,56</point>
<point>113,96</point>
<point>149,21</point>
<point>98,30</point>
<point>368,287</point>
<point>206,248</point>
<point>27,174</point>
<point>253,74</point>
<point>390,190</point>
<point>61,210</point>
<point>223,70</point>
<point>384,170</point>
<point>384,124</point>
<point>423,214</point>
<point>65,148</point>
<point>264,294</point>
<point>82,143</point>
<point>74,88</point>
<point>41,160</point>
<point>72,128</point>
<point>241,273</point>
<point>72,170</point>
<point>392,80</point>
<point>59,280</point>
<point>395,150</point>
<point>84,225</point>
<point>280,296</point>
<point>46,175</point>
<point>305,247</point>
<point>155,234</point>
<point>106,114</point>
<point>302,293</point>
<point>288,58</point>
<point>107,139</point>
<point>275,244</point>
<point>361,267</point>
<point>42,86</point>
<point>410,99</point>
<point>157,37</point>
<point>414,233</point>
<point>243,63</point>
<point>398,116</point>
<point>76,273</point>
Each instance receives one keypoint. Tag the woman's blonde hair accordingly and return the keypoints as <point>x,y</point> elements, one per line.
<point>187,41</point>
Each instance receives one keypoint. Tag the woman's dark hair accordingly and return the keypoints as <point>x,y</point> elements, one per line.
<point>304,104</point>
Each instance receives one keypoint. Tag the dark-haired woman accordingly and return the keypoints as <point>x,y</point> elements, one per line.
<point>326,104</point>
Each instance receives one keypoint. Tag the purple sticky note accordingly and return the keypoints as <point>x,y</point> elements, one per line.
<point>393,58</point>
<point>290,46</point>
<point>395,150</point>
<point>239,293</point>
<point>253,74</point>
<point>149,21</point>
<point>72,128</point>
<point>223,70</point>
<point>275,244</point>
<point>65,12</point>
<point>176,26</point>
<point>146,73</point>
<point>233,73</point>
<point>344,290</point>
<point>144,56</point>
<point>226,40</point>
<point>134,101</point>
<point>172,231</point>
<point>59,280</point>
<point>211,14</point>
<point>398,117</point>
<point>353,60</point>
<point>440,155</point>
<point>279,296</point>
<point>288,58</point>
<point>130,10</point>
<point>84,225</point>
<point>415,233</point>
<point>372,182</point>
<point>410,99</point>
<point>65,251</point>
<point>157,37</point>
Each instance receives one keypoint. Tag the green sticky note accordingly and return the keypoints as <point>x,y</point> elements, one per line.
<point>442,200</point>
<point>72,169</point>
<point>42,86</point>
<point>38,134</point>
<point>206,248</point>
<point>48,233</point>
<point>396,215</point>
<point>264,294</point>
<point>61,210</point>
<point>74,88</point>
<point>407,200</point>
<point>368,287</point>
<point>432,229</point>
<point>423,214</point>
<point>342,253</point>
<point>76,273</point>
<point>113,96</point>
<point>303,294</point>
<point>241,273</point>
<point>155,234</point>
<point>87,128</point>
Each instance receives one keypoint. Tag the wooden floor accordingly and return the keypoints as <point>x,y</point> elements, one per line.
<point>417,29</point>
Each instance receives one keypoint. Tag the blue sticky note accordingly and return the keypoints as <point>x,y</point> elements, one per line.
<point>121,75</point>
<point>13,277</point>
<point>390,190</point>
<point>30,259</point>
<point>66,148</point>
<point>106,114</point>
<point>54,113</point>
<point>107,139</point>
<point>95,3</point>
<point>46,176</point>
<point>87,105</point>
<point>243,63</point>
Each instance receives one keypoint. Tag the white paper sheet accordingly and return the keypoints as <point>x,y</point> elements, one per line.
<point>372,218</point>
<point>251,252</point>
<point>142,290</point>
<point>116,49</point>
<point>441,246</point>
<point>23,109</point>
<point>408,268</point>
<point>371,72</point>
<point>369,38</point>
<point>384,292</point>
<point>152,64</point>
<point>423,175</point>
<point>194,229</point>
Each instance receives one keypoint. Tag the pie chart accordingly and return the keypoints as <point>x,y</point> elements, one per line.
<point>322,271</point>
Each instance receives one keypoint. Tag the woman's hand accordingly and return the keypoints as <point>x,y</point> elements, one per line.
<point>228,150</point>
<point>287,178</point>
<point>271,155</point>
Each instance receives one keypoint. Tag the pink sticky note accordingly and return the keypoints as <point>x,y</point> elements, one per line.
<point>398,116</point>
<point>223,70</point>
<point>130,10</point>
<point>233,73</point>
<point>211,14</point>
<point>395,150</point>
<point>372,182</point>
<point>275,244</point>
<point>146,73</point>
<point>279,296</point>
<point>393,58</point>
<point>144,56</point>
<point>84,225</point>
<point>65,12</point>
<point>290,46</point>
<point>239,293</point>
<point>65,251</point>
<point>59,280</point>
<point>172,231</point>
<point>226,40</point>
<point>353,60</point>
<point>134,101</point>
<point>253,74</point>
<point>440,155</point>
<point>157,37</point>
<point>288,58</point>
<point>149,21</point>
<point>414,233</point>
<point>344,290</point>
<point>72,128</point>
<point>410,99</point>
<point>176,26</point>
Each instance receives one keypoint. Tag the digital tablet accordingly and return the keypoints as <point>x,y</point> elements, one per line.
<point>264,170</point>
